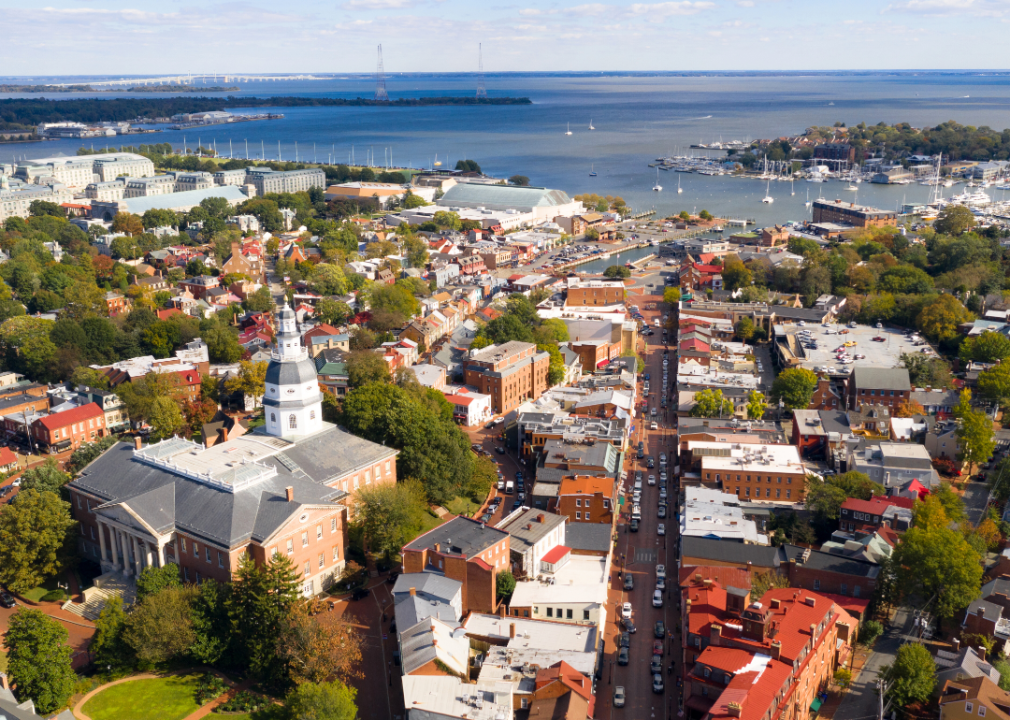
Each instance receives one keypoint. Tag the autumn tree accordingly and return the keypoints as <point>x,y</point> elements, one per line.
<point>250,381</point>
<point>994,384</point>
<point>940,319</point>
<point>318,646</point>
<point>794,387</point>
<point>745,328</point>
<point>756,405</point>
<point>938,561</point>
<point>954,220</point>
<point>975,438</point>
<point>909,408</point>
<point>912,675</point>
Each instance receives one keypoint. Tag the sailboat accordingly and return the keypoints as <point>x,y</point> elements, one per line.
<point>569,130</point>
<point>657,187</point>
<point>768,199</point>
<point>792,190</point>
<point>807,203</point>
<point>679,188</point>
<point>591,124</point>
<point>592,171</point>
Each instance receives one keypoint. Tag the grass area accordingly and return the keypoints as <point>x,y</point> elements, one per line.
<point>462,506</point>
<point>170,698</point>
<point>36,593</point>
<point>275,712</point>
<point>3,660</point>
<point>431,521</point>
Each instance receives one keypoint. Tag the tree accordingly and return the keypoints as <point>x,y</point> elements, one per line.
<point>989,347</point>
<point>411,201</point>
<point>366,366</point>
<point>735,274</point>
<point>671,296</point>
<point>39,659</point>
<point>325,701</point>
<point>794,387</point>
<point>107,648</point>
<point>520,180</point>
<point>393,298</point>
<point>505,585</point>
<point>711,403</point>
<point>1003,668</point>
<point>259,301</point>
<point>152,580</point>
<point>756,405</point>
<point>250,381</point>
<point>127,223</point>
<point>762,582</point>
<point>89,377</point>
<point>41,208</point>
<point>912,675</point>
<point>44,477</point>
<point>390,515</point>
<point>975,438</point>
<point>260,599</point>
<point>333,312</point>
<point>319,647</point>
<point>938,561</point>
<point>954,220</point>
<point>161,627</point>
<point>468,166</point>
<point>926,371</point>
<point>824,499</point>
<point>35,535</point>
<point>745,328</point>
<point>165,416</point>
<point>212,628</point>
<point>617,271</point>
<point>939,320</point>
<point>994,384</point>
<point>909,408</point>
<point>843,677</point>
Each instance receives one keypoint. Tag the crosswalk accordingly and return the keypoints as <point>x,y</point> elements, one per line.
<point>645,555</point>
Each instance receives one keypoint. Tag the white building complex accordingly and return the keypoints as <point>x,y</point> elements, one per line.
<point>79,171</point>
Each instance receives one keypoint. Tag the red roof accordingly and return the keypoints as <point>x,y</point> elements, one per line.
<point>725,576</point>
<point>710,269</point>
<point>68,417</point>
<point>875,506</point>
<point>856,606</point>
<point>7,457</point>
<point>166,314</point>
<point>707,258</point>
<point>556,554</point>
<point>695,344</point>
<point>459,400</point>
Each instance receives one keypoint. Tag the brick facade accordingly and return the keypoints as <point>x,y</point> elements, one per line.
<point>511,374</point>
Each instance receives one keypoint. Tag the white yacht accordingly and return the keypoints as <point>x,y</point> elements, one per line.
<point>657,187</point>
<point>768,199</point>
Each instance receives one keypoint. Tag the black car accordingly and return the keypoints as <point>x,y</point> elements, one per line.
<point>489,425</point>
<point>7,600</point>
<point>625,639</point>
<point>499,449</point>
<point>519,475</point>
<point>634,525</point>
<point>628,626</point>
<point>360,593</point>
<point>651,463</point>
<point>660,630</point>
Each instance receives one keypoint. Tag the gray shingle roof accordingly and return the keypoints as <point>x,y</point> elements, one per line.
<point>524,537</point>
<point>461,535</point>
<point>878,378</point>
<point>999,586</point>
<point>589,537</point>
<point>829,562</point>
<point>165,500</point>
<point>734,552</point>
<point>990,611</point>
<point>432,584</point>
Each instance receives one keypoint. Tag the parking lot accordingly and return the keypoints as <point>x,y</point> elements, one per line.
<point>885,352</point>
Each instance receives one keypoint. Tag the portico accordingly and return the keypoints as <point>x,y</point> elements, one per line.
<point>127,551</point>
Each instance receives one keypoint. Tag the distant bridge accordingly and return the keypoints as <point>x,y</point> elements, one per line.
<point>192,79</point>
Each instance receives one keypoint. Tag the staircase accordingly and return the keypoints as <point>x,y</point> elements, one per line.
<point>106,586</point>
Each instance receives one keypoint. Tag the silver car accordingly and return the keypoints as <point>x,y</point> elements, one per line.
<point>619,696</point>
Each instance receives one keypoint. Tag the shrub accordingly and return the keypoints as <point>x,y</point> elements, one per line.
<point>209,687</point>
<point>871,631</point>
<point>245,702</point>
<point>56,595</point>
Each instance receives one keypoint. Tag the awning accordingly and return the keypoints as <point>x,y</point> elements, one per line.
<point>816,704</point>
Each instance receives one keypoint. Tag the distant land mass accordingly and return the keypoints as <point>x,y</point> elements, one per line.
<point>178,89</point>
<point>32,111</point>
<point>46,88</point>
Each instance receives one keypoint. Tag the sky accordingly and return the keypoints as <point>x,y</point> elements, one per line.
<point>116,37</point>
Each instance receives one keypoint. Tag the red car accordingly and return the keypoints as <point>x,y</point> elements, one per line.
<point>657,647</point>
<point>879,339</point>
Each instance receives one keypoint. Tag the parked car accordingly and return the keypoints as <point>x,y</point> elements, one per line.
<point>661,583</point>
<point>661,529</point>
<point>659,630</point>
<point>628,626</point>
<point>625,639</point>
<point>7,600</point>
<point>657,683</point>
<point>626,610</point>
<point>623,657</point>
<point>634,525</point>
<point>656,666</point>
<point>657,599</point>
<point>619,696</point>
<point>629,582</point>
<point>661,513</point>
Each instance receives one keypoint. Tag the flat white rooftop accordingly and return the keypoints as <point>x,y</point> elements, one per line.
<point>448,696</point>
<point>583,579</point>
<point>533,633</point>
<point>738,457</point>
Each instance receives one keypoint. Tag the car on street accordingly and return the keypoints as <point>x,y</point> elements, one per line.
<point>657,647</point>
<point>619,696</point>
<point>629,582</point>
<point>656,666</point>
<point>7,600</point>
<point>662,457</point>
<point>499,449</point>
<point>661,583</point>
<point>650,462</point>
<point>659,630</point>
<point>628,626</point>
<point>661,529</point>
<point>661,570</point>
<point>662,491</point>
<point>652,479</point>
<point>657,683</point>
<point>626,639</point>
<point>475,447</point>
<point>626,610</point>
<point>489,425</point>
<point>653,426</point>
<point>657,599</point>
<point>661,513</point>
<point>633,526</point>
<point>623,657</point>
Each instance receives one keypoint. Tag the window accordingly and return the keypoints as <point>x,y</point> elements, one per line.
<point>558,613</point>
<point>707,672</point>
<point>273,418</point>
<point>333,525</point>
<point>305,539</point>
<point>817,584</point>
<point>578,502</point>
<point>550,613</point>
<point>206,552</point>
<point>606,504</point>
<point>748,491</point>
<point>855,591</point>
<point>308,567</point>
<point>845,588</point>
<point>587,516</point>
<point>578,515</point>
<point>322,559</point>
<point>981,710</point>
<point>568,614</point>
<point>525,703</point>
<point>185,572</point>
<point>336,553</point>
<point>291,546</point>
<point>182,542</point>
<point>789,494</point>
<point>196,549</point>
<point>220,559</point>
<point>319,531</point>
<point>79,501</point>
<point>968,707</point>
<point>292,421</point>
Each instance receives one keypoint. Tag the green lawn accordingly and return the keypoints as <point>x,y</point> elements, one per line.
<point>170,698</point>
<point>36,593</point>
<point>462,506</point>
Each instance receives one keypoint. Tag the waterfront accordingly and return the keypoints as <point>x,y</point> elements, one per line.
<point>637,118</point>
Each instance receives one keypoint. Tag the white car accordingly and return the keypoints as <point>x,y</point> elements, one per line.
<point>661,529</point>
<point>654,426</point>
<point>652,479</point>
<point>626,610</point>
<point>657,599</point>
<point>619,696</point>
<point>661,571</point>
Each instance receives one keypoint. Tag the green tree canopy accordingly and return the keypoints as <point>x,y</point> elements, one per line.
<point>711,403</point>
<point>322,701</point>
<point>161,627</point>
<point>390,514</point>
<point>152,580</point>
<point>35,539</point>
<point>794,387</point>
<point>912,675</point>
<point>44,477</point>
<point>954,220</point>
<point>38,659</point>
<point>939,561</point>
<point>989,347</point>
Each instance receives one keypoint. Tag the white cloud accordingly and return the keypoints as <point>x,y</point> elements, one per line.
<point>983,8</point>
<point>745,3</point>
<point>670,8</point>
<point>530,11</point>
<point>378,4</point>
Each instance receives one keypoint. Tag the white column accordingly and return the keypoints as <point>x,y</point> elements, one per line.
<point>161,554</point>
<point>101,539</point>
<point>148,555</point>
<point>126,553</point>
<point>136,554</point>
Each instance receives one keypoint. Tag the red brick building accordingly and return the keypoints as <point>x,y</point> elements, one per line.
<point>464,550</point>
<point>825,397</point>
<point>70,429</point>
<point>587,499</point>
<point>877,386</point>
<point>511,373</point>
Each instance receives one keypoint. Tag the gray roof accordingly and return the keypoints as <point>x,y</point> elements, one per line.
<point>990,611</point>
<point>590,537</point>
<point>878,378</point>
<point>835,421</point>
<point>502,197</point>
<point>829,562</point>
<point>433,598</point>
<point>409,611</point>
<point>529,527</point>
<point>165,500</point>
<point>190,198</point>
<point>999,586</point>
<point>461,535</point>
<point>291,373</point>
<point>761,556</point>
<point>431,584</point>
<point>951,666</point>
<point>932,398</point>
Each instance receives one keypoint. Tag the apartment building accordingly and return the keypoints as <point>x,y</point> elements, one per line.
<point>15,201</point>
<point>267,181</point>
<point>123,165</point>
<point>594,293</point>
<point>511,373</point>
<point>773,473</point>
<point>877,386</point>
<point>149,186</point>
<point>847,213</point>
<point>184,182</point>
<point>588,499</point>
<point>108,191</point>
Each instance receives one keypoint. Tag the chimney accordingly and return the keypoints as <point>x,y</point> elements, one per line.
<point>716,634</point>
<point>981,653</point>
<point>813,629</point>
<point>980,612</point>
<point>697,577</point>
<point>707,582</point>
<point>138,442</point>
<point>290,493</point>
<point>540,518</point>
<point>512,630</point>
<point>501,611</point>
<point>734,709</point>
<point>224,434</point>
<point>776,649</point>
<point>434,642</point>
<point>956,644</point>
<point>776,603</point>
<point>413,592</point>
<point>438,547</point>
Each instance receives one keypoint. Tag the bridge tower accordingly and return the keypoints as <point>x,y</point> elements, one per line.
<point>481,90</point>
<point>380,80</point>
